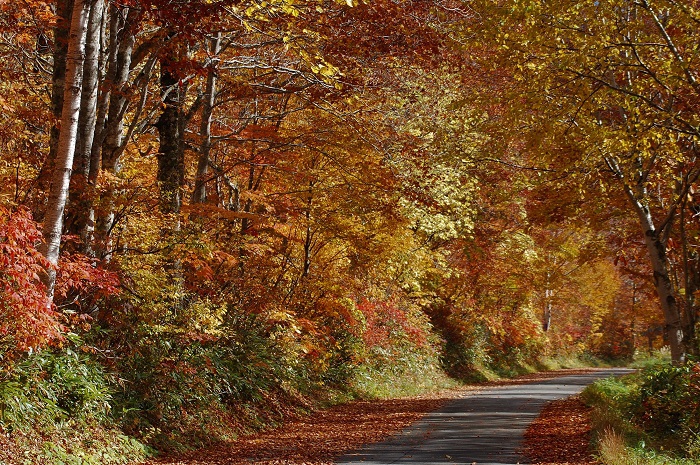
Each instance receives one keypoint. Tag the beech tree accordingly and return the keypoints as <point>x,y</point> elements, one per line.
<point>607,93</point>
<point>268,196</point>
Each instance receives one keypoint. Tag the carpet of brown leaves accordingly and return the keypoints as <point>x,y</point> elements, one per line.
<point>327,434</point>
<point>318,438</point>
<point>561,434</point>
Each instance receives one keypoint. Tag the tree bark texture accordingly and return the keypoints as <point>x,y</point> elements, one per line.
<point>91,78</point>
<point>80,198</point>
<point>110,136</point>
<point>199,194</point>
<point>61,32</point>
<point>662,281</point>
<point>65,150</point>
<point>170,125</point>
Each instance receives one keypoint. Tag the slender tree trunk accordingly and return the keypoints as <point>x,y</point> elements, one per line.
<point>199,195</point>
<point>121,52</point>
<point>690,285</point>
<point>656,248</point>
<point>170,125</point>
<point>308,239</point>
<point>111,136</point>
<point>547,315</point>
<point>88,107</point>
<point>65,150</point>
<point>61,32</point>
<point>80,198</point>
<point>98,134</point>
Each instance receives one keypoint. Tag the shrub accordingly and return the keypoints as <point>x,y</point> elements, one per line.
<point>49,387</point>
<point>657,412</point>
<point>182,390</point>
<point>26,322</point>
<point>670,401</point>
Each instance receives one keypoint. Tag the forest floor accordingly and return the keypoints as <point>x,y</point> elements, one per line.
<point>561,434</point>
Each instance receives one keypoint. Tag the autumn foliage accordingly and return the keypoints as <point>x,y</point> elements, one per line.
<point>260,203</point>
<point>27,320</point>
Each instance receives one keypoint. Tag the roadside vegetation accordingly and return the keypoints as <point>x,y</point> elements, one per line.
<point>651,417</point>
<point>216,214</point>
<point>70,406</point>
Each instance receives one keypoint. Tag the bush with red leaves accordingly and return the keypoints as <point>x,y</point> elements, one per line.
<point>27,321</point>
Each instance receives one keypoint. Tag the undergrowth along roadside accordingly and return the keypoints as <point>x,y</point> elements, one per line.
<point>651,417</point>
<point>62,407</point>
<point>55,408</point>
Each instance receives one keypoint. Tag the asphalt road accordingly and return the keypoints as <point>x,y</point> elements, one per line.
<point>484,428</point>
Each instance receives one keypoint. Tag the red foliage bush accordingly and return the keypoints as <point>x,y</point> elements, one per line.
<point>26,319</point>
<point>80,283</point>
<point>387,324</point>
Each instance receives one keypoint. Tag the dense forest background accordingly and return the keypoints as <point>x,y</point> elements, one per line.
<point>211,210</point>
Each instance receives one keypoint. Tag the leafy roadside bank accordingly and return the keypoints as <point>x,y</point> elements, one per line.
<point>334,431</point>
<point>651,417</point>
<point>64,408</point>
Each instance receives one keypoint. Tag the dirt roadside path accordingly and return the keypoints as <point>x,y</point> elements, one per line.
<point>326,435</point>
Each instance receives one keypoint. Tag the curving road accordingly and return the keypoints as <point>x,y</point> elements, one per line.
<point>484,428</point>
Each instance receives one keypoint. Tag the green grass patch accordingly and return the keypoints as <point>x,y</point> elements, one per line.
<point>651,360</point>
<point>386,382</point>
<point>649,417</point>
<point>55,408</point>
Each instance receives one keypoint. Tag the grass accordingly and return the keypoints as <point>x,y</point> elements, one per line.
<point>615,449</point>
<point>415,376</point>
<point>410,378</point>
<point>72,443</point>
<point>652,359</point>
<point>619,439</point>
<point>572,361</point>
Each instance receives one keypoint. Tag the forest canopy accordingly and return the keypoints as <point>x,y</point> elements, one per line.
<point>207,205</point>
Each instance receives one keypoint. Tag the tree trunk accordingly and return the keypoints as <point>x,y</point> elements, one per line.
<point>65,150</point>
<point>170,125</point>
<point>61,32</point>
<point>547,314</point>
<point>690,284</point>
<point>111,137</point>
<point>308,237</point>
<point>82,204</point>
<point>91,75</point>
<point>656,248</point>
<point>199,195</point>
<point>121,52</point>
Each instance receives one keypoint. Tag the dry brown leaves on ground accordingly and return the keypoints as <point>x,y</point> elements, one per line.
<point>327,434</point>
<point>561,434</point>
<point>318,438</point>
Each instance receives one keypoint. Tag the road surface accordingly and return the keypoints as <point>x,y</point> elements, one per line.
<point>484,428</point>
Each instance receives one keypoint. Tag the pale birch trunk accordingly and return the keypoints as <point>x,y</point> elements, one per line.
<point>58,84</point>
<point>61,32</point>
<point>65,149</point>
<point>82,210</point>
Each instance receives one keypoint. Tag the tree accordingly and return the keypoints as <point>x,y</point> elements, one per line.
<point>58,195</point>
<point>607,94</point>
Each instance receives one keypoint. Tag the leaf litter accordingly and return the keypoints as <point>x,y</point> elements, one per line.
<point>558,436</point>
